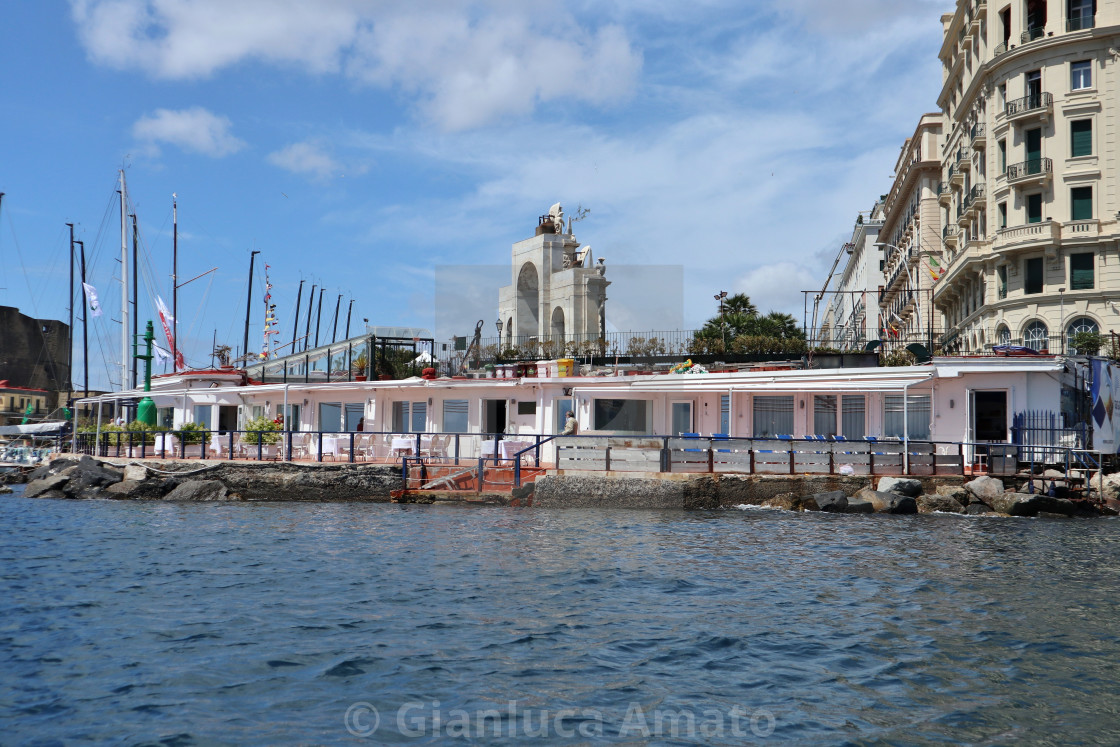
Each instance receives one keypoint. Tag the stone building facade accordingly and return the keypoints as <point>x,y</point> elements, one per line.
<point>33,354</point>
<point>1029,193</point>
<point>558,292</point>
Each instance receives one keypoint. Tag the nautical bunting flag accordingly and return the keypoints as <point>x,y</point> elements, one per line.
<point>91,297</point>
<point>934,268</point>
<point>166,318</point>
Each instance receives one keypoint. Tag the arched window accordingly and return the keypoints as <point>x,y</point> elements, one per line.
<point>1078,325</point>
<point>1003,335</point>
<point>1037,336</point>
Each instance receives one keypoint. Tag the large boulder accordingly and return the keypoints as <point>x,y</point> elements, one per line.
<point>135,472</point>
<point>1111,485</point>
<point>788,501</point>
<point>1031,504</point>
<point>834,501</point>
<point>928,504</point>
<point>901,485</point>
<point>976,508</point>
<point>39,488</point>
<point>888,503</point>
<point>984,489</point>
<point>53,468</point>
<point>142,490</point>
<point>858,505</point>
<point>199,490</point>
<point>87,478</point>
<point>956,492</point>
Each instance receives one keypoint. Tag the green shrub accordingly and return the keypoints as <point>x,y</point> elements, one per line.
<point>191,433</point>
<point>270,430</point>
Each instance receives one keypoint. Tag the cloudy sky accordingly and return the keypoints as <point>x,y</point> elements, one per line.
<point>365,146</point>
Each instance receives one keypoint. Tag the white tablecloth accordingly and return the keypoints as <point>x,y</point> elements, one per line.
<point>407,444</point>
<point>334,445</point>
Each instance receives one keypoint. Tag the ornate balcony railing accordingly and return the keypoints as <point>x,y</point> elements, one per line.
<point>1027,104</point>
<point>1031,34</point>
<point>1035,168</point>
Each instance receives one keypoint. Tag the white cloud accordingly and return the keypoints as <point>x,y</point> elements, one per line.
<point>778,286</point>
<point>194,129</point>
<point>467,63</point>
<point>305,158</point>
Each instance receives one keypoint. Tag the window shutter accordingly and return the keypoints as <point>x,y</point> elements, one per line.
<point>1082,199</point>
<point>1081,137</point>
<point>1081,272</point>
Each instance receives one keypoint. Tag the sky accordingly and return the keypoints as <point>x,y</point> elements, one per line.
<point>370,148</point>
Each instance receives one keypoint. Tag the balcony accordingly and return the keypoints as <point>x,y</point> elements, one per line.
<point>964,159</point>
<point>963,217</point>
<point>1081,23</point>
<point>1035,105</point>
<point>999,49</point>
<point>944,194</point>
<point>949,236</point>
<point>977,198</point>
<point>1081,230</point>
<point>977,136</point>
<point>1031,237</point>
<point>1036,171</point>
<point>1032,34</point>
<point>956,177</point>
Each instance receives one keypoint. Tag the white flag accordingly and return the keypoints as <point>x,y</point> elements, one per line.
<point>161,354</point>
<point>91,297</point>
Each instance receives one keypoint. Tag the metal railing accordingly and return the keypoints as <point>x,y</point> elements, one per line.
<point>1082,22</point>
<point>1030,103</point>
<point>1032,34</point>
<point>1026,169</point>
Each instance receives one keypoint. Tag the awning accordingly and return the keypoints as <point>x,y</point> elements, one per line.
<point>33,429</point>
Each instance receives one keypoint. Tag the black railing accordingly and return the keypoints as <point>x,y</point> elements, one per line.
<point>942,188</point>
<point>948,231</point>
<point>1029,103</point>
<point>976,132</point>
<point>1034,167</point>
<point>976,193</point>
<point>1080,23</point>
<point>1031,34</point>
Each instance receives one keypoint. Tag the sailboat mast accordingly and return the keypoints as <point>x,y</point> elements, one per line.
<point>85,327</point>
<point>295,325</point>
<point>124,285</point>
<point>174,282</point>
<point>70,329</point>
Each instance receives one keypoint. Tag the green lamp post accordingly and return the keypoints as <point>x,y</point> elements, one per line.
<point>146,412</point>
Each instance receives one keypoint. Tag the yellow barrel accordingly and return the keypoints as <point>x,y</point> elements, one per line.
<point>566,367</point>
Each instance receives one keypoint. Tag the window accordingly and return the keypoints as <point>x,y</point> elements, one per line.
<point>560,408</point>
<point>1034,208</point>
<point>527,407</point>
<point>824,414</point>
<point>1080,14</point>
<point>258,411</point>
<point>330,417</point>
<point>400,417</point>
<point>1002,147</point>
<point>1002,207</point>
<point>1077,326</point>
<point>1033,81</point>
<point>292,417</point>
<point>1081,75</point>
<point>725,414</point>
<point>853,416</point>
<point>455,415</point>
<point>354,412</point>
<point>1036,336</point>
<point>1081,203</point>
<point>681,416</point>
<point>165,417</point>
<point>419,417</point>
<point>773,416</point>
<point>1081,271</point>
<point>621,415</point>
<point>916,415</point>
<point>1081,137</point>
<point>202,416</point>
<point>1003,335</point>
<point>1032,272</point>
<point>1001,284</point>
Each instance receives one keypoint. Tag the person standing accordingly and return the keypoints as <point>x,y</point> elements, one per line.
<point>571,425</point>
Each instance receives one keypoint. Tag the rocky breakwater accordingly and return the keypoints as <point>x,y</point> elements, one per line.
<point>85,477</point>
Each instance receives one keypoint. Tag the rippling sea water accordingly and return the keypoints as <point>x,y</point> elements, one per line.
<point>155,623</point>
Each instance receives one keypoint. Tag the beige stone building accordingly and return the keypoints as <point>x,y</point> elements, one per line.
<point>1029,193</point>
<point>910,238</point>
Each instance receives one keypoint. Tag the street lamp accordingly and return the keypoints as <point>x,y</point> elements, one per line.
<point>722,325</point>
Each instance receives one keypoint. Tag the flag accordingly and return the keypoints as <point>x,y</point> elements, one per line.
<point>161,354</point>
<point>91,297</point>
<point>934,268</point>
<point>30,411</point>
<point>166,318</point>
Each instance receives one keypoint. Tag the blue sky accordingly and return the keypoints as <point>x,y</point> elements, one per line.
<point>363,145</point>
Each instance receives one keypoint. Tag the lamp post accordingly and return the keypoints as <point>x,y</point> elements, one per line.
<point>722,323</point>
<point>498,324</point>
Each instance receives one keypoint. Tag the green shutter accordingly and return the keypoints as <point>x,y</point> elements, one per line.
<point>1082,200</point>
<point>1081,271</point>
<point>1034,275</point>
<point>1081,137</point>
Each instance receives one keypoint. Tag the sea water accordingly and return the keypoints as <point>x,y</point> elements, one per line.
<point>155,623</point>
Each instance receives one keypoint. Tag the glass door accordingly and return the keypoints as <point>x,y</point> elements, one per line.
<point>681,413</point>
